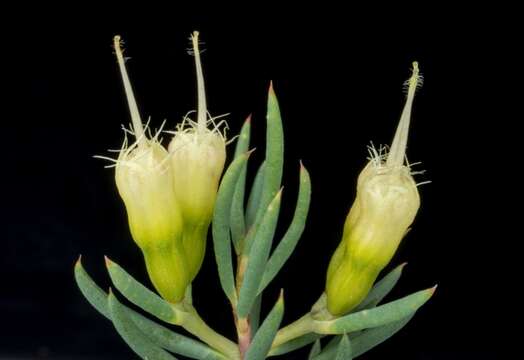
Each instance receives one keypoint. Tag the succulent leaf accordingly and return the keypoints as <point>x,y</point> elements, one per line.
<point>221,221</point>
<point>288,243</point>
<point>139,295</point>
<point>237,219</point>
<point>263,338</point>
<point>257,258</point>
<point>136,339</point>
<point>378,316</point>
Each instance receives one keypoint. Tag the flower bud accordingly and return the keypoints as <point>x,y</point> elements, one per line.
<point>145,182</point>
<point>144,179</point>
<point>198,155</point>
<point>386,203</point>
<point>198,161</point>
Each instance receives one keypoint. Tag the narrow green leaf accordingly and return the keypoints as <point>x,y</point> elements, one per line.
<point>159,334</point>
<point>274,163</point>
<point>288,243</point>
<point>94,295</point>
<point>381,289</point>
<point>295,344</point>
<point>378,316</point>
<point>221,235</point>
<point>373,337</point>
<point>315,350</point>
<point>274,151</point>
<point>172,341</point>
<point>257,258</point>
<point>264,337</point>
<point>364,340</point>
<point>237,221</point>
<point>139,295</point>
<point>344,349</point>
<point>136,339</point>
<point>253,201</point>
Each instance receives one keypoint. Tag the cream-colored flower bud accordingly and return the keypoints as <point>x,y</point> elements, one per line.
<point>145,182</point>
<point>198,155</point>
<point>385,206</point>
<point>144,179</point>
<point>198,161</point>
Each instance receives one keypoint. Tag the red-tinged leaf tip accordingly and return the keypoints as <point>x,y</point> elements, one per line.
<point>108,261</point>
<point>78,261</point>
<point>304,174</point>
<point>271,89</point>
<point>248,120</point>
<point>432,290</point>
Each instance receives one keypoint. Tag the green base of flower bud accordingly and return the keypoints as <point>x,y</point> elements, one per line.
<point>194,240</point>
<point>168,272</point>
<point>348,286</point>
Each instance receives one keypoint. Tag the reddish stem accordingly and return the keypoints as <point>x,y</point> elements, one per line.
<point>244,336</point>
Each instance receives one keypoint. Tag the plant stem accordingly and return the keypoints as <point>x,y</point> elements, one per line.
<point>244,336</point>
<point>298,328</point>
<point>242,324</point>
<point>193,323</point>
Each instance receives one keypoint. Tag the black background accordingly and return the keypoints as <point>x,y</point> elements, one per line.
<point>338,75</point>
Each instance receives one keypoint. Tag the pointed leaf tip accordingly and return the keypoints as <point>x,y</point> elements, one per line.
<point>78,261</point>
<point>108,261</point>
<point>433,289</point>
<point>281,297</point>
<point>247,154</point>
<point>248,119</point>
